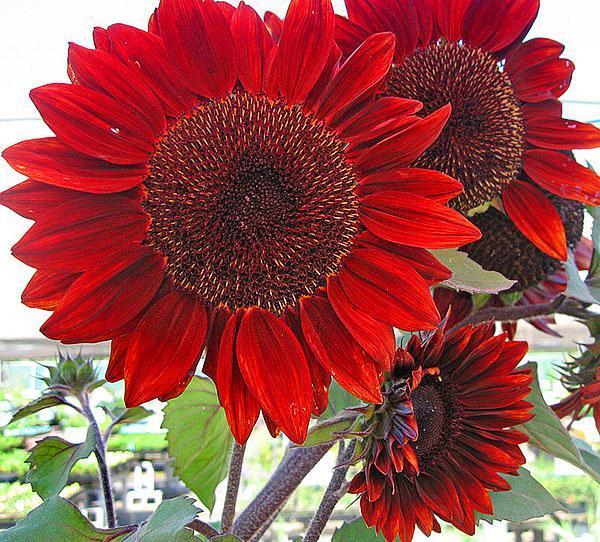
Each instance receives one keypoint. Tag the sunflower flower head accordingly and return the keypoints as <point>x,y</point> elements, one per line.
<point>437,444</point>
<point>209,189</point>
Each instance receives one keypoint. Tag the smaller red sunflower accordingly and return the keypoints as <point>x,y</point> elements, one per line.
<point>506,125</point>
<point>445,430</point>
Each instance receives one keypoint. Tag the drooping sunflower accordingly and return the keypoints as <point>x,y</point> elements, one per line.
<point>445,430</point>
<point>539,277</point>
<point>210,189</point>
<point>506,125</point>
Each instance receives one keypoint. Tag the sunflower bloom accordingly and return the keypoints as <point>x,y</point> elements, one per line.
<point>209,189</point>
<point>445,430</point>
<point>506,139</point>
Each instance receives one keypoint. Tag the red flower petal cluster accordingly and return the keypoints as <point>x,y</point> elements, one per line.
<point>209,189</point>
<point>445,430</point>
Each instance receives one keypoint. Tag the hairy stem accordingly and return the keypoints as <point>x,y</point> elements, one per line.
<point>296,464</point>
<point>335,491</point>
<point>233,486</point>
<point>100,453</point>
<point>203,528</point>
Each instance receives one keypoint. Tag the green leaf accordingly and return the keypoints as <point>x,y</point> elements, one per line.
<point>124,416</point>
<point>41,403</point>
<point>58,520</point>
<point>199,439</point>
<point>339,399</point>
<point>327,430</point>
<point>356,531</point>
<point>576,287</point>
<point>526,499</point>
<point>51,461</point>
<point>469,276</point>
<point>226,538</point>
<point>546,432</point>
<point>167,523</point>
<point>589,456</point>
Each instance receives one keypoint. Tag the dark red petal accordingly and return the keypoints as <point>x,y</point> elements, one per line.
<point>32,199</point>
<point>101,71</point>
<point>46,289</point>
<point>456,305</point>
<point>415,221</point>
<point>199,41</point>
<point>562,175</point>
<point>518,18</point>
<point>532,53</point>
<point>94,124</point>
<point>304,46</point>
<point>116,363</point>
<point>220,317</point>
<point>375,337</point>
<point>423,182</point>
<point>533,213</point>
<point>274,25</point>
<point>101,41</point>
<point>362,73</point>
<point>551,79</point>
<point>166,343</point>
<point>349,34</point>
<point>403,148</point>
<point>482,20</point>
<point>80,234</point>
<point>388,289</point>
<point>102,301</point>
<point>331,68</point>
<point>450,16</point>
<point>335,349</point>
<point>561,134</point>
<point>147,52</point>
<point>274,368</point>
<point>547,108</point>
<point>52,162</point>
<point>241,407</point>
<point>253,46</point>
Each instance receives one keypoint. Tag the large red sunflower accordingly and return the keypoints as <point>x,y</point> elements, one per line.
<point>444,431</point>
<point>506,126</point>
<point>208,188</point>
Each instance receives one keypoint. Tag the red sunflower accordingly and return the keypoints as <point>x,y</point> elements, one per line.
<point>506,123</point>
<point>207,188</point>
<point>444,431</point>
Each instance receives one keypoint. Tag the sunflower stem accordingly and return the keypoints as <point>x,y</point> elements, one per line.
<point>203,528</point>
<point>233,486</point>
<point>335,491</point>
<point>100,453</point>
<point>296,464</point>
<point>513,313</point>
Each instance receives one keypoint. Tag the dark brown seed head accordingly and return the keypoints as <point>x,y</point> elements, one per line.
<point>251,201</point>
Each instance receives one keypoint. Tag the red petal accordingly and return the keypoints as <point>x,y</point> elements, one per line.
<point>547,80</point>
<point>102,301</point>
<point>349,34</point>
<point>32,199</point>
<point>388,289</point>
<point>80,234</point>
<point>147,52</point>
<point>450,16</point>
<point>533,213</point>
<point>253,45</point>
<point>337,351</point>
<point>94,124</point>
<point>103,72</point>
<point>199,41</point>
<point>101,41</point>
<point>51,161</point>
<point>274,25</point>
<point>331,68</point>
<point>220,317</point>
<point>482,20</point>
<point>362,73</point>
<point>561,134</point>
<point>375,337</point>
<point>306,40</point>
<point>227,9</point>
<point>413,220</point>
<point>423,182</point>
<point>518,18</point>
<point>46,289</point>
<point>562,175</point>
<point>241,407</point>
<point>547,108</point>
<point>403,148</point>
<point>532,53</point>
<point>167,342</point>
<point>274,368</point>
<point>116,364</point>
